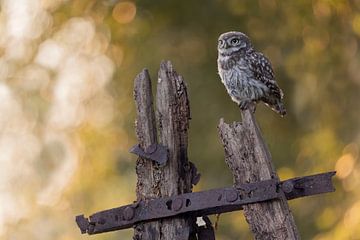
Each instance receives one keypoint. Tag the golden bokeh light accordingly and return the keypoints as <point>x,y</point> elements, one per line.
<point>352,183</point>
<point>352,216</point>
<point>356,24</point>
<point>116,53</point>
<point>352,149</point>
<point>67,114</point>
<point>54,81</point>
<point>344,166</point>
<point>326,218</point>
<point>124,12</point>
<point>321,9</point>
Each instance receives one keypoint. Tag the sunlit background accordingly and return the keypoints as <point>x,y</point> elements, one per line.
<point>67,114</point>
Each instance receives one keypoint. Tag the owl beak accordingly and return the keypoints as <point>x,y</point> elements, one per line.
<point>224,45</point>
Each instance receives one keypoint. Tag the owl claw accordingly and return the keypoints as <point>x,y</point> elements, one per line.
<point>247,104</point>
<point>244,104</point>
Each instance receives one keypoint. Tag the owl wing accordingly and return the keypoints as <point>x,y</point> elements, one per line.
<point>261,67</point>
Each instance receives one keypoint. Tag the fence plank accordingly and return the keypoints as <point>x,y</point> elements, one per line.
<point>173,115</point>
<point>250,161</point>
<point>148,184</point>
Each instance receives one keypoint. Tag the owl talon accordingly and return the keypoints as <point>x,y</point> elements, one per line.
<point>247,104</point>
<point>243,105</point>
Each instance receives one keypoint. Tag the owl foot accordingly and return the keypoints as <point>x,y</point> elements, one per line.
<point>247,104</point>
<point>244,104</point>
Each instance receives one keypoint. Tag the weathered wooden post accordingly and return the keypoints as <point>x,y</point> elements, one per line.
<point>173,177</point>
<point>249,159</point>
<point>147,171</point>
<point>166,208</point>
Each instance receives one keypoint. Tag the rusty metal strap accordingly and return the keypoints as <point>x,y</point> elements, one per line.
<point>204,203</point>
<point>154,152</point>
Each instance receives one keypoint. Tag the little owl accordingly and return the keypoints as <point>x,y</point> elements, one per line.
<point>247,74</point>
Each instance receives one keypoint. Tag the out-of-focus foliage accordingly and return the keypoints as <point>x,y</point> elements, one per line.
<point>67,70</point>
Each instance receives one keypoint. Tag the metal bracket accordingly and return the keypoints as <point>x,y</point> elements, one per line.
<point>204,202</point>
<point>307,186</point>
<point>155,152</point>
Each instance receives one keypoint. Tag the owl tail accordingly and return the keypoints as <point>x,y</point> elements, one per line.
<point>279,108</point>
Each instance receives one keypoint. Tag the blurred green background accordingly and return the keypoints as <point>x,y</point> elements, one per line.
<point>67,114</point>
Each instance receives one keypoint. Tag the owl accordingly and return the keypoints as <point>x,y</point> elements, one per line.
<point>247,74</point>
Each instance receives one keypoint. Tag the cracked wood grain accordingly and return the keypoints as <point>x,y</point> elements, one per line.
<point>147,171</point>
<point>172,118</point>
<point>249,159</point>
<point>173,115</point>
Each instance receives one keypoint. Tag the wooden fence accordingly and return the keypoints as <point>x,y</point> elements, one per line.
<point>165,208</point>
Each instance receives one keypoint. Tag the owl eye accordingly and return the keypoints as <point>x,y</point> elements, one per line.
<point>234,41</point>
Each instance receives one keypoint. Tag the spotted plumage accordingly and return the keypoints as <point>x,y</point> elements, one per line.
<point>247,74</point>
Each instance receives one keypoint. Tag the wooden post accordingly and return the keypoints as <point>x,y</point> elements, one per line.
<point>248,157</point>
<point>172,115</point>
<point>147,171</point>
<point>245,153</point>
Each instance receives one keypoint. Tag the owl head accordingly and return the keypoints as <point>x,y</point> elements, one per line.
<point>233,42</point>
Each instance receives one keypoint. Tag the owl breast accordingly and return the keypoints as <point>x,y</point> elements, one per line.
<point>239,80</point>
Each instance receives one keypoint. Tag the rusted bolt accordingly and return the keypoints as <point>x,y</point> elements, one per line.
<point>177,204</point>
<point>287,186</point>
<point>129,213</point>
<point>231,196</point>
